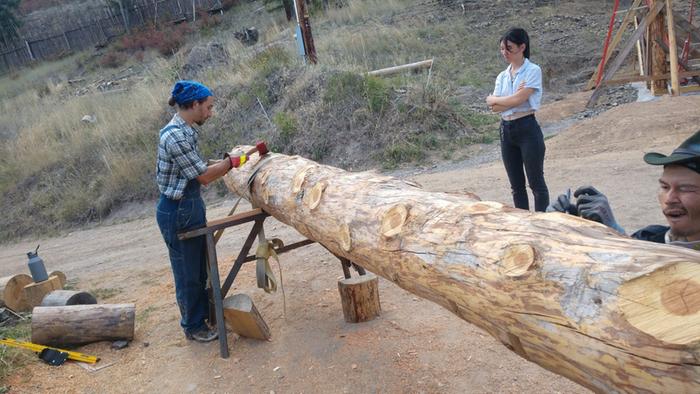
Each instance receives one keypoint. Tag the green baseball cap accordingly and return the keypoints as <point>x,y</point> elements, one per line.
<point>687,154</point>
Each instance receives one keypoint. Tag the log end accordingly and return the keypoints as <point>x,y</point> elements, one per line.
<point>665,304</point>
<point>393,220</point>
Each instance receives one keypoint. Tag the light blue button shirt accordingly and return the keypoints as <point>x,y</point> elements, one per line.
<point>531,74</point>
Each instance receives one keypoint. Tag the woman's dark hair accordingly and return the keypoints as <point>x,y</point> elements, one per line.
<point>517,36</point>
<point>172,102</point>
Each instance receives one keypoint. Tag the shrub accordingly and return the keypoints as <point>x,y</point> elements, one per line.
<point>167,41</point>
<point>377,94</point>
<point>113,59</point>
<point>287,125</point>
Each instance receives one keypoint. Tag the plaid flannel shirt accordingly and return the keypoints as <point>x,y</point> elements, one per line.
<point>178,159</point>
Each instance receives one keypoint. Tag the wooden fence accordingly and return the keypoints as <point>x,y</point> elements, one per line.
<point>108,24</point>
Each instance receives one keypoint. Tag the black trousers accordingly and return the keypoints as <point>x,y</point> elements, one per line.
<point>522,148</point>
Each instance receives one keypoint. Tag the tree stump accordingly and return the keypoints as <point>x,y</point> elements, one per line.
<point>35,292</point>
<point>12,292</point>
<point>360,298</point>
<point>68,297</point>
<point>243,317</point>
<point>80,324</point>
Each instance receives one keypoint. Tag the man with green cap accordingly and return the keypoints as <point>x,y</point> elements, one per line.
<point>679,197</point>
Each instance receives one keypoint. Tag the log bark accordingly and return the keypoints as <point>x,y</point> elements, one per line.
<point>68,297</point>
<point>80,324</point>
<point>611,313</point>
<point>12,292</point>
<point>360,298</point>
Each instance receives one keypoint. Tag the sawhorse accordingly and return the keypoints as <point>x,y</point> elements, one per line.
<point>257,216</point>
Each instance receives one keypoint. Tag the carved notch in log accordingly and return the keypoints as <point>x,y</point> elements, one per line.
<point>611,313</point>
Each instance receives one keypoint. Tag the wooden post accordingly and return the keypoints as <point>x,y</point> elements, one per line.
<point>658,55</point>
<point>125,17</point>
<point>615,41</point>
<point>12,292</point>
<point>29,49</point>
<point>672,49</point>
<point>360,298</point>
<point>640,56</point>
<point>80,324</point>
<point>35,292</point>
<point>243,317</point>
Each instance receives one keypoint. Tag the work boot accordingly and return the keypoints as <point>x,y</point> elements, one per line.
<point>204,334</point>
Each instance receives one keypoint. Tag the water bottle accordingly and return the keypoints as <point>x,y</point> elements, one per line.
<point>36,266</point>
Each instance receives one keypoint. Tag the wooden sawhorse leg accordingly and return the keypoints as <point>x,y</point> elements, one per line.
<point>216,290</point>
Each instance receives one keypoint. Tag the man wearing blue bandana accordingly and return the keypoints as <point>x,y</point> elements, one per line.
<point>679,197</point>
<point>179,173</point>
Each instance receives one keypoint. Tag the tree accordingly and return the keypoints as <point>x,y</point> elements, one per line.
<point>9,22</point>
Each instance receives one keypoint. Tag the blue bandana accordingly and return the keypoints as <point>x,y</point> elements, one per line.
<point>188,91</point>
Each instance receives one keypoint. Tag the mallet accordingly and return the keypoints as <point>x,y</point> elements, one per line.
<point>237,161</point>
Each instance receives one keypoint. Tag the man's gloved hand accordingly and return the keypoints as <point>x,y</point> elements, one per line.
<point>593,205</point>
<point>563,204</point>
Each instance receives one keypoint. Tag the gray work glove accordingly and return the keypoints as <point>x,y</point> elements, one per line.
<point>563,204</point>
<point>593,205</point>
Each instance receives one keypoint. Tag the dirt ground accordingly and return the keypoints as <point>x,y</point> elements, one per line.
<point>414,346</point>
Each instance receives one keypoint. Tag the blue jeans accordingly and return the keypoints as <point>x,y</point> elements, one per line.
<point>187,258</point>
<point>522,145</point>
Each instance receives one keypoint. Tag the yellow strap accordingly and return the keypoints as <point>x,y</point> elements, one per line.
<point>265,251</point>
<point>244,158</point>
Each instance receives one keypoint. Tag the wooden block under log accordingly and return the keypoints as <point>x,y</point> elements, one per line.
<point>80,324</point>
<point>35,292</point>
<point>12,292</point>
<point>68,297</point>
<point>360,298</point>
<point>243,317</point>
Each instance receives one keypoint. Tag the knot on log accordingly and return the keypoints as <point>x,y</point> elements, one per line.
<point>393,220</point>
<point>313,197</point>
<point>517,260</point>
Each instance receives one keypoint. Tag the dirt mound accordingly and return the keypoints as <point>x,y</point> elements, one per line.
<point>666,122</point>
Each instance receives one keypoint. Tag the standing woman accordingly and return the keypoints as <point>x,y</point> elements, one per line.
<point>517,96</point>
<point>180,172</point>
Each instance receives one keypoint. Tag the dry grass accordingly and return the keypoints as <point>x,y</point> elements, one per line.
<point>56,170</point>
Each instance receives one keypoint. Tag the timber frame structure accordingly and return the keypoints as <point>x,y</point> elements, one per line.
<point>666,43</point>
<point>608,312</point>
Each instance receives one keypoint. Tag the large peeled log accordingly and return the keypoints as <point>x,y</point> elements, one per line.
<point>611,313</point>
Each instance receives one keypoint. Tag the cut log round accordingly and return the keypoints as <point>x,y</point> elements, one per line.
<point>360,298</point>
<point>611,313</point>
<point>35,292</point>
<point>61,277</point>
<point>68,297</point>
<point>80,324</point>
<point>12,292</point>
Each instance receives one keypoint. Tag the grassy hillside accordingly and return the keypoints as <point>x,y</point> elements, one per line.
<point>56,171</point>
